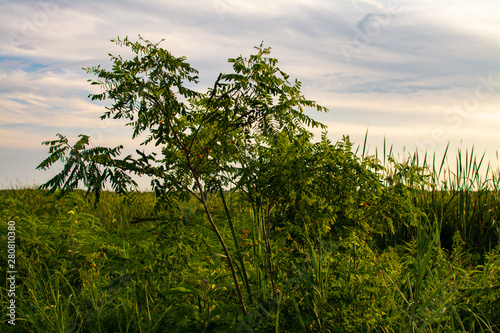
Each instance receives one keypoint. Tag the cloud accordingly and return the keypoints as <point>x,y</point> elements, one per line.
<point>410,62</point>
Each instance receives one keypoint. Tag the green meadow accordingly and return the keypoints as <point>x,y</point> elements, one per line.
<point>251,226</point>
<point>420,256</point>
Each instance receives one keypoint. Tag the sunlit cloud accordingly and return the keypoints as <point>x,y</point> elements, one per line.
<point>420,73</point>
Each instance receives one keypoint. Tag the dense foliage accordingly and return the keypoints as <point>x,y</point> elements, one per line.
<point>251,225</point>
<point>88,269</point>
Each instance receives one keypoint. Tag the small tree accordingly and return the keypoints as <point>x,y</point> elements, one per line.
<point>204,137</point>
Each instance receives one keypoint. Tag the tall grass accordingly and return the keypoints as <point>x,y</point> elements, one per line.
<point>87,268</point>
<point>461,195</point>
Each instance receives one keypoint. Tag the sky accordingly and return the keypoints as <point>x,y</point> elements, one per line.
<point>420,75</point>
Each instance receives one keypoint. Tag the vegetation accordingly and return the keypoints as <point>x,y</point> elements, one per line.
<point>251,226</point>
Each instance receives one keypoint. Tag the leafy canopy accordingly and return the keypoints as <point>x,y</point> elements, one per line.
<point>203,136</point>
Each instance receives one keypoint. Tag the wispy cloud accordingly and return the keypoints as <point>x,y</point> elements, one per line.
<point>413,68</point>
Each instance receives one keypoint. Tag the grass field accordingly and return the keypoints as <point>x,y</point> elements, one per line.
<point>421,257</point>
